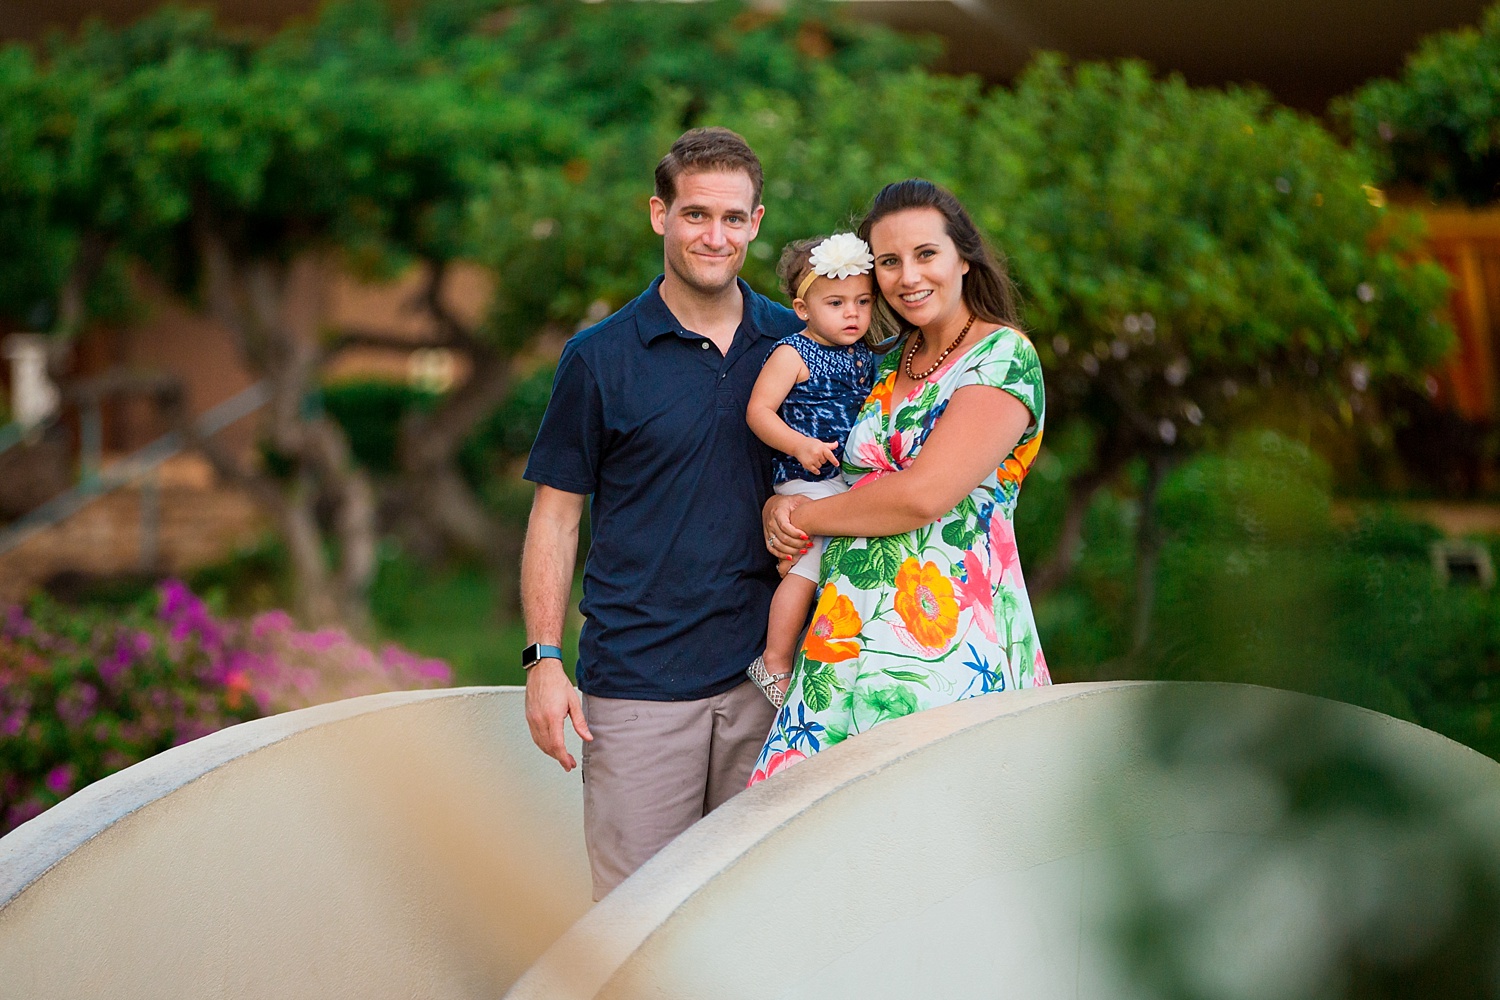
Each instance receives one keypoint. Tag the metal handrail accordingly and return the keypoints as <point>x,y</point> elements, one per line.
<point>131,468</point>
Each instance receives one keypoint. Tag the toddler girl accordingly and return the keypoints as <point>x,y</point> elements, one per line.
<point>812,386</point>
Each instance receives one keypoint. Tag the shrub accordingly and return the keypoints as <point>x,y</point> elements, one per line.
<point>85,693</point>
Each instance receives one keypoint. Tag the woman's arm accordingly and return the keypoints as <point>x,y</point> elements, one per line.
<point>784,369</point>
<point>978,430</point>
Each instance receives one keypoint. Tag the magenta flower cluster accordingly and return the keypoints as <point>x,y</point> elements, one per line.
<point>84,693</point>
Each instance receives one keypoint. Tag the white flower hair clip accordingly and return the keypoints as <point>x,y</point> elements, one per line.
<point>842,255</point>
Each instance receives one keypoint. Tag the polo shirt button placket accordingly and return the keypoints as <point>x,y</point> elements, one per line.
<point>704,345</point>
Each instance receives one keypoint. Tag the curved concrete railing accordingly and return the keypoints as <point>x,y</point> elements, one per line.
<point>418,845</point>
<point>1009,845</point>
<point>399,845</point>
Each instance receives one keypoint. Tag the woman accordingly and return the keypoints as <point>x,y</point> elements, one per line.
<point>921,597</point>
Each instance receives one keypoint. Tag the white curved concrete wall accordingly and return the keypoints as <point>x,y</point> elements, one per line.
<point>990,848</point>
<point>400,845</point>
<point>417,845</point>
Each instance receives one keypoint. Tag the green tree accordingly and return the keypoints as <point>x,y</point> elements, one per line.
<point>246,172</point>
<point>1187,256</point>
<point>1434,127</point>
<point>35,251</point>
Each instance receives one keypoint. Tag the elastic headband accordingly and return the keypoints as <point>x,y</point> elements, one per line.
<point>842,255</point>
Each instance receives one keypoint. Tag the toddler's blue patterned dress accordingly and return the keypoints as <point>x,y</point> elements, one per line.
<point>824,407</point>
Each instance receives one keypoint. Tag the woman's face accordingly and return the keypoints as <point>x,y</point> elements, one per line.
<point>920,271</point>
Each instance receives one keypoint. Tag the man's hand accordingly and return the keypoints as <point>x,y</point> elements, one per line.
<point>550,698</point>
<point>814,454</point>
<point>783,539</point>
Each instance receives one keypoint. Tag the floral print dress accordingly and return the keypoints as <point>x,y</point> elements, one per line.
<point>933,616</point>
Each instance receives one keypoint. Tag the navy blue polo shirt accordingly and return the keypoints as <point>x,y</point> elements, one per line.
<point>649,418</point>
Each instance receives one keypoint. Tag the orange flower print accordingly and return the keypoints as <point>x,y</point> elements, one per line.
<point>1019,463</point>
<point>882,394</point>
<point>833,619</point>
<point>926,604</point>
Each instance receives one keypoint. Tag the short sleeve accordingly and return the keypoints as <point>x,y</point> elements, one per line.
<point>1007,360</point>
<point>566,452</point>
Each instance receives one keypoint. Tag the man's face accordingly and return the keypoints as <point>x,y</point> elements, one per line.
<point>708,227</point>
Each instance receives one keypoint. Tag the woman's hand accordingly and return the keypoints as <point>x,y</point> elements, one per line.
<point>814,454</point>
<point>783,539</point>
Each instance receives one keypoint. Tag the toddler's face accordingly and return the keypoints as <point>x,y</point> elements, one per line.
<point>837,310</point>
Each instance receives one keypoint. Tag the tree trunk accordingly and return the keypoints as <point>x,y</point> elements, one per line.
<point>433,491</point>
<point>274,310</point>
<point>1147,550</point>
<point>312,592</point>
<point>1081,491</point>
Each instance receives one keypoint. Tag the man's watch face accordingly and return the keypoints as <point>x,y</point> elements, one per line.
<point>536,651</point>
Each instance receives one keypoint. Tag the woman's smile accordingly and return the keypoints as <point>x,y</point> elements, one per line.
<point>919,269</point>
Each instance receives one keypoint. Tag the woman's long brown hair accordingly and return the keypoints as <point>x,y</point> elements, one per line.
<point>987,289</point>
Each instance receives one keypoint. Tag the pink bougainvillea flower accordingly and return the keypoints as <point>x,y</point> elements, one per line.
<point>76,705</point>
<point>974,593</point>
<point>269,622</point>
<point>22,811</point>
<point>189,617</point>
<point>17,625</point>
<point>59,780</point>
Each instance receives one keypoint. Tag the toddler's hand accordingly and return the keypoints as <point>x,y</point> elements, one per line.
<point>814,454</point>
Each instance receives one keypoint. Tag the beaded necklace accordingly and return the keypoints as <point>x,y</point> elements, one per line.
<point>919,341</point>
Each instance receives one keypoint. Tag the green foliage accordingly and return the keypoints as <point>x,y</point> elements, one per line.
<point>356,132</point>
<point>826,155</point>
<point>614,62</point>
<point>370,413</point>
<point>1185,252</point>
<point>34,249</point>
<point>1435,126</point>
<point>1258,583</point>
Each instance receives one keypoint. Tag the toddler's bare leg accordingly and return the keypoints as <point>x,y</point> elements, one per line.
<point>789,607</point>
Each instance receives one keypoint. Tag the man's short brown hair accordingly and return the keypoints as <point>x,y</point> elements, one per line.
<point>703,149</point>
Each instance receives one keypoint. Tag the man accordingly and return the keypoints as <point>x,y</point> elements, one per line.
<point>648,417</point>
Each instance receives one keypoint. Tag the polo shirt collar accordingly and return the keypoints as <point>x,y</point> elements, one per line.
<point>653,320</point>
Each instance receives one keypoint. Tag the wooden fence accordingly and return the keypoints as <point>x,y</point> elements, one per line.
<point>1467,244</point>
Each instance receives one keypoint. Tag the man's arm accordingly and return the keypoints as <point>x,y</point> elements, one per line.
<point>547,563</point>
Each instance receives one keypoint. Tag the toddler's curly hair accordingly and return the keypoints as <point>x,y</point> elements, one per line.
<point>795,262</point>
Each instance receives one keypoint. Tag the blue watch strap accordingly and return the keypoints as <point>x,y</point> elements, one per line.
<point>536,651</point>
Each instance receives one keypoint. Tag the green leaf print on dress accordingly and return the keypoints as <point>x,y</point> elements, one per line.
<point>928,617</point>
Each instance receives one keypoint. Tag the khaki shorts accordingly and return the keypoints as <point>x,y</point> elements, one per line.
<point>655,768</point>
